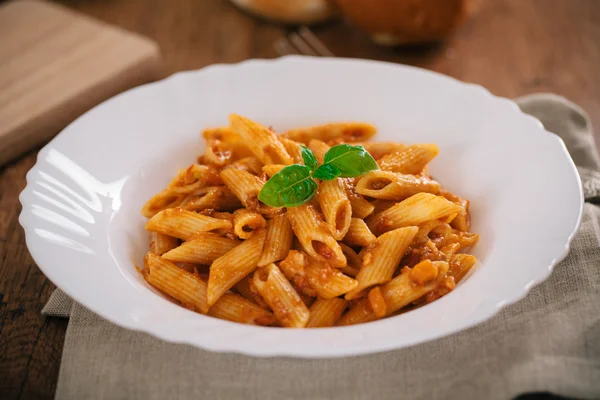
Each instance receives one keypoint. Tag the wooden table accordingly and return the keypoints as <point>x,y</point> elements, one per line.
<point>513,47</point>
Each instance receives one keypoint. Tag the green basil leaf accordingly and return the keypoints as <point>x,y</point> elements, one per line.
<point>290,187</point>
<point>351,161</point>
<point>309,158</point>
<point>326,172</point>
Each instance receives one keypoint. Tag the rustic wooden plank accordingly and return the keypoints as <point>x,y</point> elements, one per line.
<point>30,344</point>
<point>41,92</point>
<point>513,47</point>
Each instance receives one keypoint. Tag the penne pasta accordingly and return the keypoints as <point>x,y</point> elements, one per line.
<point>202,248</point>
<point>244,185</point>
<point>190,267</point>
<point>354,263</point>
<point>214,244</point>
<point>462,222</point>
<point>315,235</point>
<point>233,307</point>
<point>340,132</point>
<point>398,293</point>
<point>335,207</point>
<point>186,181</point>
<point>358,234</point>
<point>234,265</point>
<point>246,289</point>
<point>387,185</point>
<point>415,210</point>
<point>223,133</point>
<point>326,312</point>
<point>272,169</point>
<point>377,302</point>
<point>382,205</point>
<point>223,146</point>
<point>245,222</point>
<point>460,265</point>
<point>379,149</point>
<point>413,284</point>
<point>161,201</point>
<point>214,197</point>
<point>263,142</point>
<point>249,164</point>
<point>381,258</point>
<point>319,148</point>
<point>283,299</point>
<point>361,208</point>
<point>194,178</point>
<point>314,278</point>
<point>294,269</point>
<point>293,149</point>
<point>184,224</point>
<point>160,243</point>
<point>359,313</point>
<point>189,289</point>
<point>217,153</point>
<point>328,282</point>
<point>278,241</point>
<point>410,159</point>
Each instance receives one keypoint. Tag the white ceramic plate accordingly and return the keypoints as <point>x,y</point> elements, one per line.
<point>81,206</point>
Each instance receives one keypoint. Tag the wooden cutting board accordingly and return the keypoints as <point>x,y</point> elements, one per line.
<point>55,64</point>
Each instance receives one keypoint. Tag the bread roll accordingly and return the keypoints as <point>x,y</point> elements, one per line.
<point>392,22</point>
<point>288,11</point>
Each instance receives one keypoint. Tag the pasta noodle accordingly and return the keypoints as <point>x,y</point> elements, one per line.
<point>417,209</point>
<point>326,312</point>
<point>410,159</point>
<point>386,185</point>
<point>234,265</point>
<point>359,234</point>
<point>278,241</point>
<point>361,208</point>
<point>250,164</point>
<point>245,222</point>
<point>293,149</point>
<point>235,308</point>
<point>160,244</point>
<point>216,198</point>
<point>398,293</point>
<point>335,207</point>
<point>189,289</point>
<point>262,142</point>
<point>314,235</point>
<point>354,263</point>
<point>365,247</point>
<point>202,248</point>
<point>272,169</point>
<point>184,224</point>
<point>382,257</point>
<point>281,297</point>
<point>342,132</point>
<point>319,148</point>
<point>381,149</point>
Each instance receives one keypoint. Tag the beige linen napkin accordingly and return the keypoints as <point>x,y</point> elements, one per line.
<point>548,342</point>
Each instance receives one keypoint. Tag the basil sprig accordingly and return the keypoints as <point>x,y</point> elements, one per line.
<point>294,184</point>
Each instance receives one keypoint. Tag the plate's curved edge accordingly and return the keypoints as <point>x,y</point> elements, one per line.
<point>242,348</point>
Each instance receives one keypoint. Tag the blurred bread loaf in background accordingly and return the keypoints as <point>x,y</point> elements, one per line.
<point>288,11</point>
<point>388,22</point>
<point>401,22</point>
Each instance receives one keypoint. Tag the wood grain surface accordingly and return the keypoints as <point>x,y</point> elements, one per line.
<point>512,47</point>
<point>41,92</point>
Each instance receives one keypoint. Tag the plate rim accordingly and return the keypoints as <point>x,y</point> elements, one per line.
<point>244,348</point>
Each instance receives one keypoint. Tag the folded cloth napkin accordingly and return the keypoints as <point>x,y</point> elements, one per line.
<point>548,342</point>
